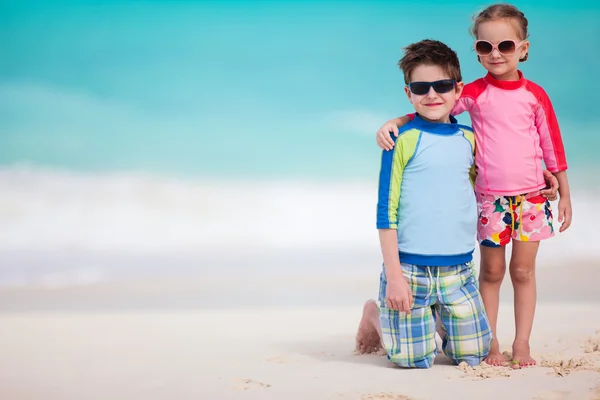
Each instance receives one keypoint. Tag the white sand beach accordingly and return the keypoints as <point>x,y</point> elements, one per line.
<point>268,352</point>
<point>114,294</point>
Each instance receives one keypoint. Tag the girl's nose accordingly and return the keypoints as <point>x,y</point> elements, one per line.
<point>496,53</point>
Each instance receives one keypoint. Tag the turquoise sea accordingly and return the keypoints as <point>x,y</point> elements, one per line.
<point>198,126</point>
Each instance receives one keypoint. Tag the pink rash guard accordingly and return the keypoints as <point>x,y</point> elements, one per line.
<point>515,129</point>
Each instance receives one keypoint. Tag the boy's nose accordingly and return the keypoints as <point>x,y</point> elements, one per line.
<point>432,93</point>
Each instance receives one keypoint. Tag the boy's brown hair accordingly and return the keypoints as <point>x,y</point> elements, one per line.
<point>430,52</point>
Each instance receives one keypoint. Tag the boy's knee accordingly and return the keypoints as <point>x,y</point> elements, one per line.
<point>472,351</point>
<point>471,361</point>
<point>418,362</point>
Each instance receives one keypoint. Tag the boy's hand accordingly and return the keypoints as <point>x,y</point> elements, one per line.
<point>551,184</point>
<point>565,213</point>
<point>398,295</point>
<point>383,136</point>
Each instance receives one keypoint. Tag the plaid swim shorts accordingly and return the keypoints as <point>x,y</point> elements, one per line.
<point>409,339</point>
<point>526,217</point>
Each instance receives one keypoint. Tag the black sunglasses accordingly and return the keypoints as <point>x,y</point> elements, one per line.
<point>442,86</point>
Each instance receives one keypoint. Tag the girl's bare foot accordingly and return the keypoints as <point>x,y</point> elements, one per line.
<point>521,356</point>
<point>495,358</point>
<point>368,339</point>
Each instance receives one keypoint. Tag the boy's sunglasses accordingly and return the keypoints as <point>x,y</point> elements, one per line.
<point>506,47</point>
<point>422,88</point>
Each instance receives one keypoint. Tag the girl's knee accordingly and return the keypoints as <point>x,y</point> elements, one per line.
<point>493,264</point>
<point>493,272</point>
<point>522,274</point>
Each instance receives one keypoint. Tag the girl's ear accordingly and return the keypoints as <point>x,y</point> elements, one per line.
<point>524,51</point>
<point>458,89</point>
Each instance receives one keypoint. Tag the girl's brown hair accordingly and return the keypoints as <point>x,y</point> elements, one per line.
<point>502,11</point>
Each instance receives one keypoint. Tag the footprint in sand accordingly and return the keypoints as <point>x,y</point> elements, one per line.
<point>592,344</point>
<point>277,360</point>
<point>247,384</point>
<point>565,367</point>
<point>483,371</point>
<point>385,396</point>
<point>551,395</point>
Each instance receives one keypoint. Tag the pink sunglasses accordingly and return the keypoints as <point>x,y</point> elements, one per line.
<point>506,47</point>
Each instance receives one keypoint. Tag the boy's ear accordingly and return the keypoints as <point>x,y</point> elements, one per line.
<point>407,91</point>
<point>459,88</point>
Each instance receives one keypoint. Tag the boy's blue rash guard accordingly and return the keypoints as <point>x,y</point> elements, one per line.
<point>426,193</point>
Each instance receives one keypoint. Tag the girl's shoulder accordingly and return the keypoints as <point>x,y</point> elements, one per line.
<point>474,89</point>
<point>536,90</point>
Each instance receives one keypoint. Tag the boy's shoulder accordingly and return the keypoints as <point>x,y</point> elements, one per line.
<point>411,129</point>
<point>468,134</point>
<point>466,129</point>
<point>407,128</point>
<point>407,132</point>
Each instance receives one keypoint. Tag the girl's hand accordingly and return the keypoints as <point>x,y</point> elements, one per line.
<point>565,213</point>
<point>384,139</point>
<point>551,184</point>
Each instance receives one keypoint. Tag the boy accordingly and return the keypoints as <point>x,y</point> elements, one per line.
<point>427,217</point>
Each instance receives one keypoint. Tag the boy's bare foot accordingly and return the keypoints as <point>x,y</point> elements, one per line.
<point>495,358</point>
<point>368,339</point>
<point>521,356</point>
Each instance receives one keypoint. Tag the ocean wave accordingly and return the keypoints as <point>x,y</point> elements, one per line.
<point>42,209</point>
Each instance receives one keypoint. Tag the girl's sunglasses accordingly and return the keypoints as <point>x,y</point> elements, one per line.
<point>422,88</point>
<point>506,47</point>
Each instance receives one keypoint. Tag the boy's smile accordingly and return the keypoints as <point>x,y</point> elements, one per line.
<point>433,106</point>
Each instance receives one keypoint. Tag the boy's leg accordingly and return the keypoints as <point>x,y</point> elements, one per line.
<point>409,339</point>
<point>491,274</point>
<point>468,333</point>
<point>368,338</point>
<point>522,274</point>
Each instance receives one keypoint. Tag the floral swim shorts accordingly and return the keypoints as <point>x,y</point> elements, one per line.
<point>526,217</point>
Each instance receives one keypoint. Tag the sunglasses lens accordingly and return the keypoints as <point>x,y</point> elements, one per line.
<point>506,47</point>
<point>483,48</point>
<point>443,86</point>
<point>419,88</point>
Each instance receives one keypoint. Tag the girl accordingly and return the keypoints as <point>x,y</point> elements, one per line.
<point>515,128</point>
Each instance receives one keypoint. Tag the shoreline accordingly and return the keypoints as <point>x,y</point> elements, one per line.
<point>198,290</point>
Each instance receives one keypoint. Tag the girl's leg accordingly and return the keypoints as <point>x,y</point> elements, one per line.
<point>522,274</point>
<point>492,270</point>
